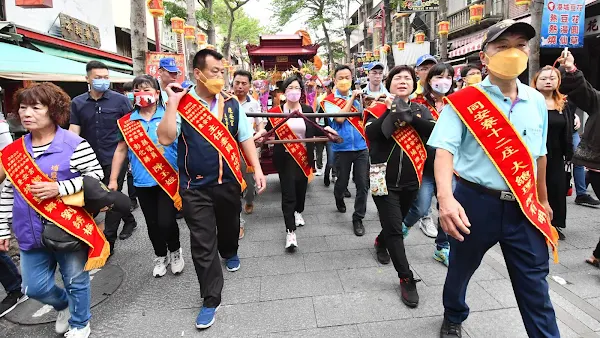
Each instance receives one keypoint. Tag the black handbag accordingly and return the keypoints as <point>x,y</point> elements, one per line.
<point>56,239</point>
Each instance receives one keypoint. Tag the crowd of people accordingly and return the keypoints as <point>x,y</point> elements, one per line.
<point>493,150</point>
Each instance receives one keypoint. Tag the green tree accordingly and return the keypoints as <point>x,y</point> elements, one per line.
<point>204,16</point>
<point>232,7</point>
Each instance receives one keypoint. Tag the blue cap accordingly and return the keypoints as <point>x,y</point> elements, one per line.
<point>185,84</point>
<point>426,57</point>
<point>376,65</point>
<point>169,64</point>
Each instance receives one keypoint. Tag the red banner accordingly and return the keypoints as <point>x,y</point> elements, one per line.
<point>355,121</point>
<point>153,62</point>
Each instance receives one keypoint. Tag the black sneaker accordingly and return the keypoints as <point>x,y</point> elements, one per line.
<point>347,194</point>
<point>127,231</point>
<point>179,215</point>
<point>450,330</point>
<point>587,200</point>
<point>326,180</point>
<point>408,288</point>
<point>341,205</point>
<point>359,228</point>
<point>383,256</point>
<point>561,235</point>
<point>11,301</point>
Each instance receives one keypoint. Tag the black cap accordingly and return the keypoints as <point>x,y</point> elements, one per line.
<point>97,196</point>
<point>507,25</point>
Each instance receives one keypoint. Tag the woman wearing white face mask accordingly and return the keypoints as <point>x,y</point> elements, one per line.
<point>294,161</point>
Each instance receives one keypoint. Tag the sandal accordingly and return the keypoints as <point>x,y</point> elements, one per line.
<point>593,261</point>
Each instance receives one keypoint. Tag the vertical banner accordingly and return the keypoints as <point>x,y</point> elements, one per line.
<point>563,24</point>
<point>153,62</point>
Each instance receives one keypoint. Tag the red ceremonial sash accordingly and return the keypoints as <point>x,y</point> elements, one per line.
<point>420,99</point>
<point>298,151</point>
<point>507,151</point>
<point>407,138</point>
<point>152,159</point>
<point>214,132</point>
<point>22,171</point>
<point>355,121</point>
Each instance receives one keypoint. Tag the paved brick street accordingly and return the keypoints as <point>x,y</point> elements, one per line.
<point>332,286</point>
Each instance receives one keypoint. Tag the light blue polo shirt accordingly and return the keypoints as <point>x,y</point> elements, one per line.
<point>353,140</point>
<point>382,90</point>
<point>141,176</point>
<point>529,116</point>
<point>245,130</point>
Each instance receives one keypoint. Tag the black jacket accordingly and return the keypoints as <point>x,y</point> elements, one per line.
<point>582,93</point>
<point>279,152</point>
<point>400,170</point>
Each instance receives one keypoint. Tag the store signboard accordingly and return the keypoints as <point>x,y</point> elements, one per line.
<point>153,63</point>
<point>78,31</point>
<point>563,24</point>
<point>419,6</point>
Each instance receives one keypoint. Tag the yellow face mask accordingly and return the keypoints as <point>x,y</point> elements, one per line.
<point>214,86</point>
<point>507,64</point>
<point>343,85</point>
<point>473,79</point>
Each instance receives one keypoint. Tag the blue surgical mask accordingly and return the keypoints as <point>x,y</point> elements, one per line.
<point>100,85</point>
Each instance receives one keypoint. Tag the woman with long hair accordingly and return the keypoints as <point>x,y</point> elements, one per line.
<point>438,84</point>
<point>559,143</point>
<point>391,128</point>
<point>157,206</point>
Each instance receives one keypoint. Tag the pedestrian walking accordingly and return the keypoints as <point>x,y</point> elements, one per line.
<point>397,130</point>
<point>154,171</point>
<point>493,134</point>
<point>94,117</point>
<point>210,175</point>
<point>128,91</point>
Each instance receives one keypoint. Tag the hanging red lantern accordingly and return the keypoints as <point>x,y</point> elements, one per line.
<point>156,8</point>
<point>189,32</point>
<point>386,48</point>
<point>420,38</point>
<point>177,25</point>
<point>522,2</point>
<point>443,28</point>
<point>476,12</point>
<point>400,45</point>
<point>209,47</point>
<point>368,54</point>
<point>376,52</point>
<point>201,38</point>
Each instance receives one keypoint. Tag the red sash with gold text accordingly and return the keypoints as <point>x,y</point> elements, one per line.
<point>296,150</point>
<point>407,138</point>
<point>151,158</point>
<point>420,99</point>
<point>213,131</point>
<point>507,151</point>
<point>22,171</point>
<point>355,121</point>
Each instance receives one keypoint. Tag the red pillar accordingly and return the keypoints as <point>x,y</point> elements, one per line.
<point>156,34</point>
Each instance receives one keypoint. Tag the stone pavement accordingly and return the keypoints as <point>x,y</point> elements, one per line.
<point>332,286</point>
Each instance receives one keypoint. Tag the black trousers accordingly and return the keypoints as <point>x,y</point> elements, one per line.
<point>593,178</point>
<point>159,212</point>
<point>557,190</point>
<point>344,160</point>
<point>319,147</point>
<point>213,216</point>
<point>392,209</point>
<point>113,218</point>
<point>293,190</point>
<point>130,187</point>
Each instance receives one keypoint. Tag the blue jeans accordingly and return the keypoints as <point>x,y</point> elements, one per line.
<point>525,253</point>
<point>421,205</point>
<point>9,275</point>
<point>38,267</point>
<point>578,171</point>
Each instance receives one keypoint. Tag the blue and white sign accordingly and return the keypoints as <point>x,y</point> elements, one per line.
<point>563,24</point>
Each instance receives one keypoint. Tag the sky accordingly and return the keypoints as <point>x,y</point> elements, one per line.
<point>260,9</point>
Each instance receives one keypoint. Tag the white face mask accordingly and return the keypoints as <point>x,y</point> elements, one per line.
<point>441,86</point>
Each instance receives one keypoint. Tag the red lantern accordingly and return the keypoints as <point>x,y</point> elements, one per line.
<point>34,3</point>
<point>443,28</point>
<point>177,25</point>
<point>476,12</point>
<point>189,32</point>
<point>210,47</point>
<point>387,48</point>
<point>368,54</point>
<point>201,38</point>
<point>420,38</point>
<point>156,8</point>
<point>400,45</point>
<point>522,2</point>
<point>376,52</point>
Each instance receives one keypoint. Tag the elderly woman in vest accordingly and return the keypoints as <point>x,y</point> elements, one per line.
<point>56,159</point>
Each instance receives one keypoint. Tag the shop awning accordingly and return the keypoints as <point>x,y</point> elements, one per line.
<point>81,57</point>
<point>18,63</point>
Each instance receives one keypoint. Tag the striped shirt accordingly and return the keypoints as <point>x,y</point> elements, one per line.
<point>83,161</point>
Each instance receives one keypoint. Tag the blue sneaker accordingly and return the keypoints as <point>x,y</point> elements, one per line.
<point>442,255</point>
<point>404,231</point>
<point>233,263</point>
<point>206,317</point>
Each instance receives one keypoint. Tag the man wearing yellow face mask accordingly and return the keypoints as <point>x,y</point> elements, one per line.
<point>210,125</point>
<point>493,134</point>
<point>471,75</point>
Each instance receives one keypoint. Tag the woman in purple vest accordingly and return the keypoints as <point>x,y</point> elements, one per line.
<point>65,157</point>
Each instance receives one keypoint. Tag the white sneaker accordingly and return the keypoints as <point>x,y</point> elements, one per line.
<point>177,263</point>
<point>319,172</point>
<point>79,333</point>
<point>290,240</point>
<point>62,321</point>
<point>428,227</point>
<point>160,266</point>
<point>298,219</point>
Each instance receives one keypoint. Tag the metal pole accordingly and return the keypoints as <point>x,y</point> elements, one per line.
<point>280,115</point>
<point>156,34</point>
